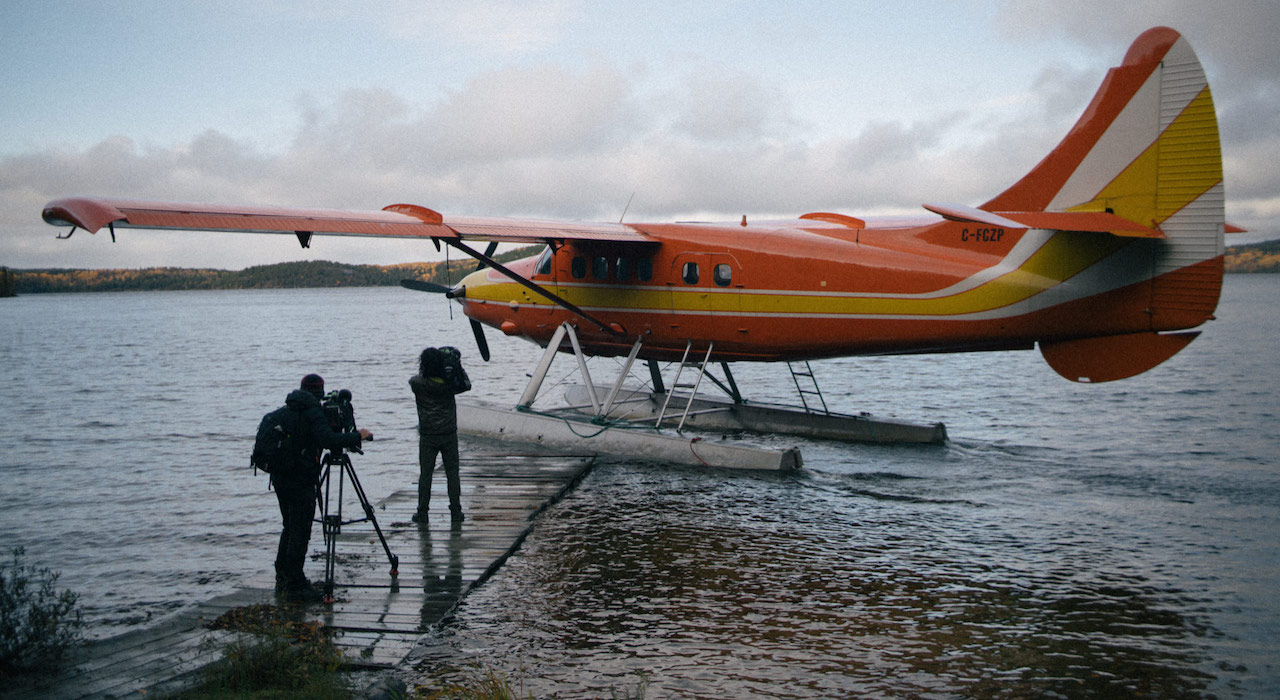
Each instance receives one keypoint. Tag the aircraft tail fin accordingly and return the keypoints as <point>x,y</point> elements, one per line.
<point>1146,150</point>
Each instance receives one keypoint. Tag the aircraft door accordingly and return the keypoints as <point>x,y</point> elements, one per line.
<point>705,291</point>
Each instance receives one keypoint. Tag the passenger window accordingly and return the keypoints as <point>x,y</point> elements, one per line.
<point>690,273</point>
<point>544,263</point>
<point>644,269</point>
<point>600,268</point>
<point>578,267</point>
<point>622,268</point>
<point>723,275</point>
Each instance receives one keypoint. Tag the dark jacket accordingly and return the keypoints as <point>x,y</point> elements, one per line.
<point>313,435</point>
<point>437,410</point>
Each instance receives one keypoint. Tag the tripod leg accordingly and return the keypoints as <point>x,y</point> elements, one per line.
<point>368,511</point>
<point>330,525</point>
<point>330,542</point>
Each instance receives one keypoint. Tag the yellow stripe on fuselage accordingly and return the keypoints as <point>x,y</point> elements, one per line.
<point>1060,258</point>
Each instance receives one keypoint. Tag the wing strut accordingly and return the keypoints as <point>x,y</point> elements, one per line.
<point>535,287</point>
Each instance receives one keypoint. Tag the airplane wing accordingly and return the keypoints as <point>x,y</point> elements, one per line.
<point>395,221</point>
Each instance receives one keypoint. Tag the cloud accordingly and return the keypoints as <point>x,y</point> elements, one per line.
<point>542,142</point>
<point>546,140</point>
<point>722,105</point>
<point>493,26</point>
<point>533,112</point>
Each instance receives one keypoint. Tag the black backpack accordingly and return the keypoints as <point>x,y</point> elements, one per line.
<point>273,449</point>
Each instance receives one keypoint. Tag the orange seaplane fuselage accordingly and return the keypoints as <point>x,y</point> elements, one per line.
<point>1103,255</point>
<point>811,289</point>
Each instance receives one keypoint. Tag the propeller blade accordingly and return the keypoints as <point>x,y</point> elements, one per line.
<point>421,286</point>
<point>481,343</point>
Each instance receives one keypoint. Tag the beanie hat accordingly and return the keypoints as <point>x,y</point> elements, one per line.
<point>313,383</point>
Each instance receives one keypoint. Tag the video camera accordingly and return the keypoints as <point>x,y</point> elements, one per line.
<point>337,408</point>
<point>451,365</point>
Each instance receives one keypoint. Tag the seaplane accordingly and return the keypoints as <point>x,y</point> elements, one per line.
<point>1105,256</point>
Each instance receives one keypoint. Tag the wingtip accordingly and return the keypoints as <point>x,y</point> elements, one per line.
<point>86,213</point>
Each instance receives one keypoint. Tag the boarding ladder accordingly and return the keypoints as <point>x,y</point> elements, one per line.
<point>804,379</point>
<point>701,368</point>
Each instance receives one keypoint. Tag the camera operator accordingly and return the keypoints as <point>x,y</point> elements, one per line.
<point>296,486</point>
<point>440,377</point>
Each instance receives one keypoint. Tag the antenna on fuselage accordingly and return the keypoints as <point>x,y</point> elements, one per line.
<point>624,209</point>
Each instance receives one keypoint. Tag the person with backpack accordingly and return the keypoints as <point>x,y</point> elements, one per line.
<point>440,377</point>
<point>301,432</point>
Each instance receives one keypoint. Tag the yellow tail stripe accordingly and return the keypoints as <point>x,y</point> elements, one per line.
<point>1183,163</point>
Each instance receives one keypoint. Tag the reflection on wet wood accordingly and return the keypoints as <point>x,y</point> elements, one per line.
<point>378,617</point>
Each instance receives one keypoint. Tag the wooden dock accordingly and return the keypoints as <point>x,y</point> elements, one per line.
<point>378,618</point>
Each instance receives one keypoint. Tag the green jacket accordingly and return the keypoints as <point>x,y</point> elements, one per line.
<point>437,411</point>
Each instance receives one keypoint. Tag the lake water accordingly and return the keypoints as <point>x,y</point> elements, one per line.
<point>1070,540</point>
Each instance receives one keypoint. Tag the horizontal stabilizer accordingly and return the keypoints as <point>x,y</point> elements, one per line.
<point>1112,357</point>
<point>1102,222</point>
<point>959,212</point>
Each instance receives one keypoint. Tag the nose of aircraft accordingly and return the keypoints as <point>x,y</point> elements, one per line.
<point>464,291</point>
<point>471,286</point>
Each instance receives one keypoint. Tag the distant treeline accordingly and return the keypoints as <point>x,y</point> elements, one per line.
<point>319,273</point>
<point>6,282</point>
<point>1256,257</point>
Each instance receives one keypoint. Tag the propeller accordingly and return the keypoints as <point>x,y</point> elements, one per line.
<point>476,329</point>
<point>481,344</point>
<point>421,286</point>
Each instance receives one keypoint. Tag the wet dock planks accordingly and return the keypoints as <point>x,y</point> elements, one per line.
<point>379,617</point>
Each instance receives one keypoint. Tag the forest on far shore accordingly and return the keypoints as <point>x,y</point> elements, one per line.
<point>1255,257</point>
<point>317,273</point>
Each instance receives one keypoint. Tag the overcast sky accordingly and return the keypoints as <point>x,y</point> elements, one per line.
<point>567,109</point>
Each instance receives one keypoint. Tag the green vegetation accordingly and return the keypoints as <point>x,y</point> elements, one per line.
<point>273,657</point>
<point>38,626</point>
<point>318,273</point>
<point>1257,257</point>
<point>6,282</point>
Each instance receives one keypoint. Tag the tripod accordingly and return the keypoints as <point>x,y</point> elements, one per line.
<point>331,522</point>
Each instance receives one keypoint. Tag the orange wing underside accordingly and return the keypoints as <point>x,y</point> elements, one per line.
<point>395,221</point>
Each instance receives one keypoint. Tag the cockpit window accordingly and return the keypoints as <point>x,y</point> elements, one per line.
<point>544,262</point>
